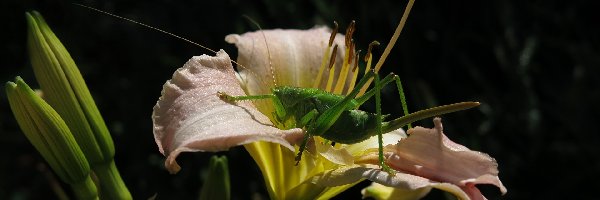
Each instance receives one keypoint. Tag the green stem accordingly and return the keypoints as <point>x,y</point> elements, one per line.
<point>111,184</point>
<point>85,189</point>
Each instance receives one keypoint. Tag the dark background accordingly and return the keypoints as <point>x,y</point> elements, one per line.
<point>534,65</point>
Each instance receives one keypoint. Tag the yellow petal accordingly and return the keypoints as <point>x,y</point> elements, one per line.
<point>338,156</point>
<point>373,142</point>
<point>381,192</point>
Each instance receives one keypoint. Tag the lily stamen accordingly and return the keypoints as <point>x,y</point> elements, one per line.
<point>326,55</point>
<point>349,52</point>
<point>331,69</point>
<point>354,73</point>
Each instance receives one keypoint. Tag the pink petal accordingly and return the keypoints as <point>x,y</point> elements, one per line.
<point>429,153</point>
<point>427,158</point>
<point>189,116</point>
<point>295,55</point>
<point>349,174</point>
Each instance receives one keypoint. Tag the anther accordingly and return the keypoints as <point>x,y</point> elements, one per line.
<point>351,52</point>
<point>333,55</point>
<point>370,50</point>
<point>331,77</point>
<point>333,33</point>
<point>350,32</point>
<point>356,61</point>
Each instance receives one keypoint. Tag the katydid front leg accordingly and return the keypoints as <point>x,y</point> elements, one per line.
<point>230,98</point>
<point>308,118</point>
<point>280,112</point>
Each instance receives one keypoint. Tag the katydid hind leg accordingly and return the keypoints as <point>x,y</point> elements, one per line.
<point>306,119</point>
<point>388,79</point>
<point>369,94</point>
<point>302,147</point>
<point>379,119</point>
<point>402,97</point>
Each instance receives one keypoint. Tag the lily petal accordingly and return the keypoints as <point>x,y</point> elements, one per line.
<point>189,116</point>
<point>425,159</point>
<point>292,57</point>
<point>338,156</point>
<point>379,191</point>
<point>295,55</point>
<point>343,155</point>
<point>429,153</point>
<point>350,174</point>
<point>391,137</point>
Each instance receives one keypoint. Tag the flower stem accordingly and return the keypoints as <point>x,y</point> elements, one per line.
<point>111,184</point>
<point>85,189</point>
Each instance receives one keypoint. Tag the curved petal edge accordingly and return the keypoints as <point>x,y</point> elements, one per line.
<point>426,159</point>
<point>189,116</point>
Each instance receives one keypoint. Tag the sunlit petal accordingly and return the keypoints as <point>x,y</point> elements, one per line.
<point>388,138</point>
<point>189,115</point>
<point>429,153</point>
<point>295,56</point>
<point>339,156</point>
<point>380,192</point>
<point>350,174</point>
<point>427,158</point>
<point>292,56</point>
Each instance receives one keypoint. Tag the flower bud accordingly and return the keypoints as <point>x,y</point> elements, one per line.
<point>216,185</point>
<point>50,135</point>
<point>66,91</point>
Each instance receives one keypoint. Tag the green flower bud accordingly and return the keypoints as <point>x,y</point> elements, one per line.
<point>49,134</point>
<point>216,185</point>
<point>65,89</point>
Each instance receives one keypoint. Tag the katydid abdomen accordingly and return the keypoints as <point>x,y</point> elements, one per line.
<point>352,126</point>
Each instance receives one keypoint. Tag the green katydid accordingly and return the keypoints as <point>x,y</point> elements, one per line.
<point>331,116</point>
<point>336,117</point>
